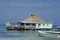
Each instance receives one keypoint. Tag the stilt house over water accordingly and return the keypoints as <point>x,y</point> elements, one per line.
<point>34,22</point>
<point>31,22</point>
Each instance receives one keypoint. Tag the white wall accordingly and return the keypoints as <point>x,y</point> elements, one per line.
<point>43,25</point>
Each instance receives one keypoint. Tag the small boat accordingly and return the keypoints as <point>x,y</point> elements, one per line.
<point>11,26</point>
<point>15,28</point>
<point>49,34</point>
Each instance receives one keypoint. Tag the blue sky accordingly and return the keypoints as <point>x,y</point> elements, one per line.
<point>17,10</point>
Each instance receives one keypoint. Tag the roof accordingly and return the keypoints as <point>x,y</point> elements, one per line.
<point>33,19</point>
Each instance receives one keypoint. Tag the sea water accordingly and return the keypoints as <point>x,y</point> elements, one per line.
<point>22,35</point>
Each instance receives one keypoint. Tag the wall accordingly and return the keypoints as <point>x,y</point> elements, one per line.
<point>43,25</point>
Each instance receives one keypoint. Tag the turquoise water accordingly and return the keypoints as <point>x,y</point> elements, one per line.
<point>21,35</point>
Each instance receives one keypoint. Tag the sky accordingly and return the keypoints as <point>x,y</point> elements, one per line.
<point>17,10</point>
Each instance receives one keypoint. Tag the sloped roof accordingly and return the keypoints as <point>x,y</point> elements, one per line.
<point>33,19</point>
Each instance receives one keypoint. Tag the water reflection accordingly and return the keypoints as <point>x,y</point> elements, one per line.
<point>23,35</point>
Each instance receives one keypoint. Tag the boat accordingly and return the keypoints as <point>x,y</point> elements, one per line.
<point>15,28</point>
<point>49,34</point>
<point>10,26</point>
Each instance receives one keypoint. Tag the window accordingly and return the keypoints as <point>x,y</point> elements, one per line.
<point>43,24</point>
<point>39,24</point>
<point>27,24</point>
<point>33,24</point>
<point>22,23</point>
